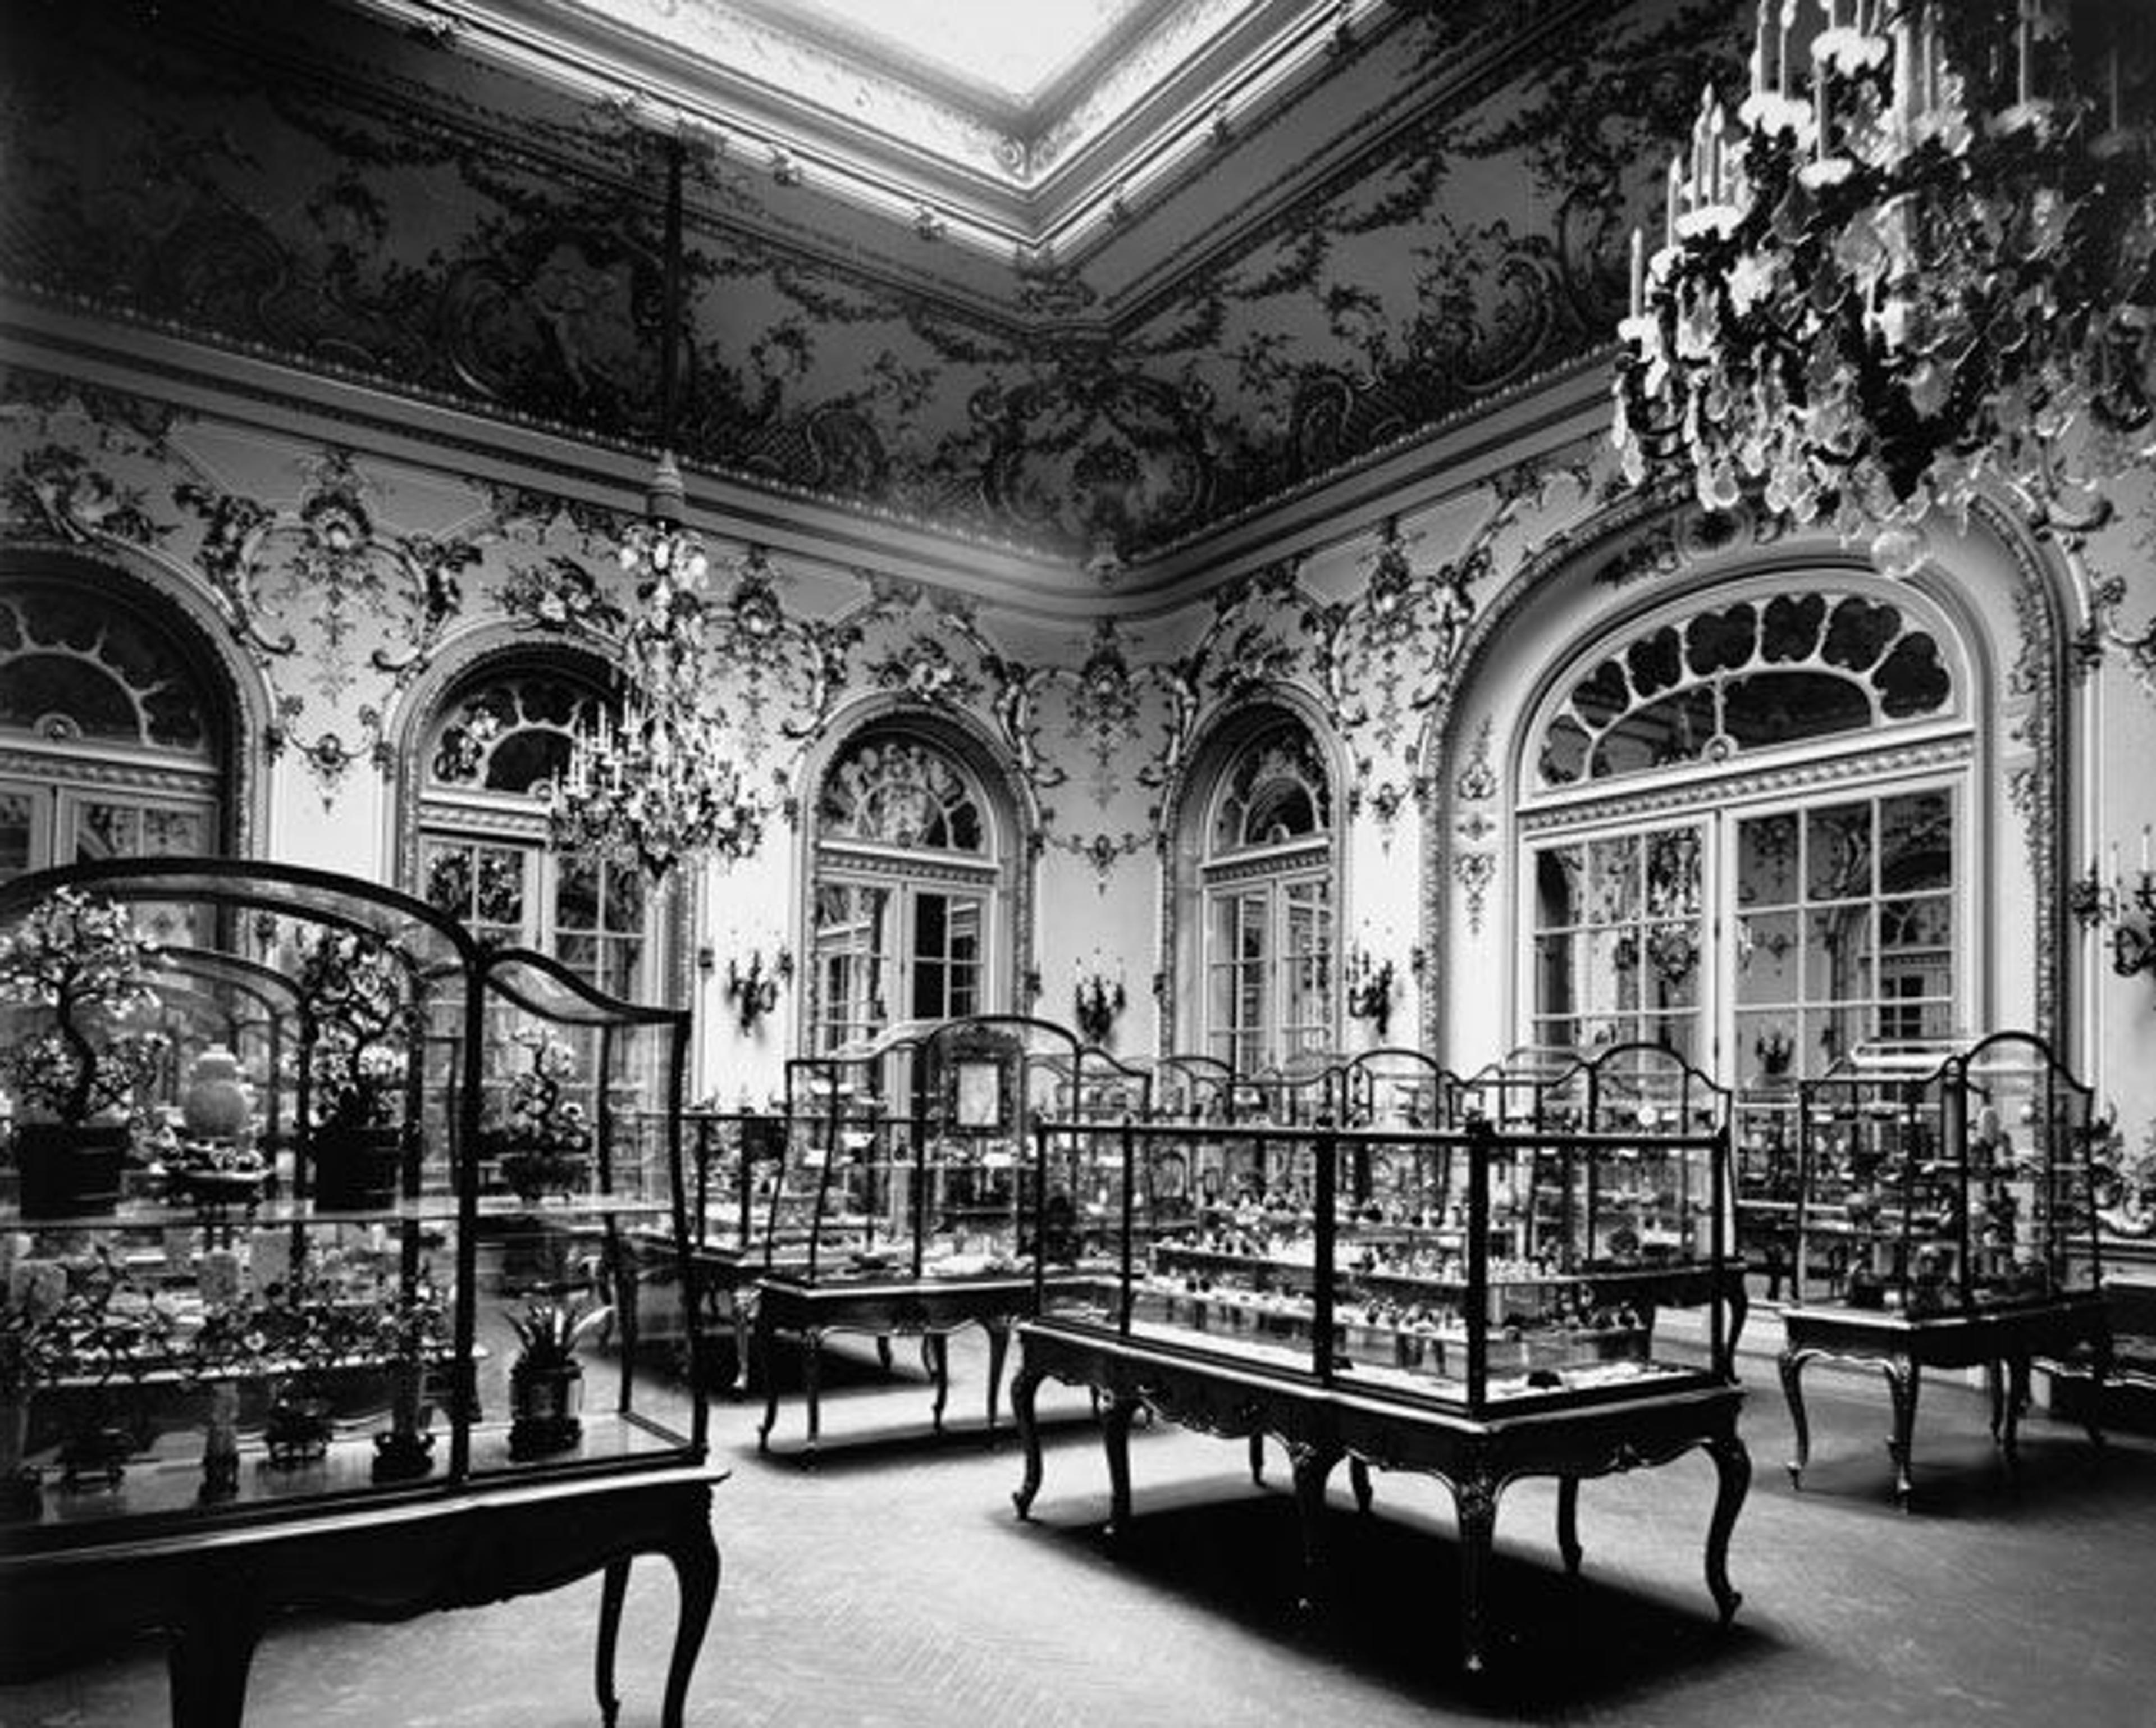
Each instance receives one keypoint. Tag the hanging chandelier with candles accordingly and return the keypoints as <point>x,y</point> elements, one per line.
<point>651,782</point>
<point>1919,260</point>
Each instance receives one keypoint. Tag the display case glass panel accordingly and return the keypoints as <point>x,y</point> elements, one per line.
<point>1476,1267</point>
<point>1936,1187</point>
<point>908,1158</point>
<point>370,1206</point>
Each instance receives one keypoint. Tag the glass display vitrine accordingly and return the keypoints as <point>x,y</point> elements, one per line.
<point>313,1284</point>
<point>1946,1219</point>
<point>1933,1186</point>
<point>1477,1268</point>
<point>1192,1089</point>
<point>907,1158</point>
<point>1095,1086</point>
<point>1299,1090</point>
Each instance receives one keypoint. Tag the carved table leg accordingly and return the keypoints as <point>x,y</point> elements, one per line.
<point>1116,1437</point>
<point>883,1352</point>
<point>935,1353</point>
<point>1258,1459</point>
<point>1311,1465</point>
<point>1994,1387</point>
<point>812,1384</point>
<point>742,1356</point>
<point>1740,1310</point>
<point>2099,1371</point>
<point>1792,1363</point>
<point>1475,1501</point>
<point>1567,1522</point>
<point>1903,1380</point>
<point>206,1666</point>
<point>1732,1472</point>
<point>612,1589</point>
<point>1358,1479</point>
<point>1023,1384</point>
<point>696,1566</point>
<point>2017,1399</point>
<point>763,1357</point>
<point>999,1348</point>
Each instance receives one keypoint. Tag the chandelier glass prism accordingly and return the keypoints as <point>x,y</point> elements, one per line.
<point>1916,262</point>
<point>648,782</point>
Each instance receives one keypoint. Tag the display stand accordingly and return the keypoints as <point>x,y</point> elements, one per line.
<point>212,1593</point>
<point>1475,1459</point>
<point>905,1210</point>
<point>1956,1199</point>
<point>1475,1305</point>
<point>328,1396</point>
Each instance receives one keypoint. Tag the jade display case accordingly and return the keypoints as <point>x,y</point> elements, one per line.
<point>372,1184</point>
<point>907,1157</point>
<point>1476,1266</point>
<point>1933,1185</point>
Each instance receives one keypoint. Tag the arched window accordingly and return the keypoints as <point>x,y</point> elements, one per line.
<point>907,903</point>
<point>1747,821</point>
<point>495,744</point>
<point>1265,895</point>
<point>1740,679</point>
<point>111,727</point>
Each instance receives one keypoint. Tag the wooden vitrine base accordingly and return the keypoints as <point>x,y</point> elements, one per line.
<point>2001,1341</point>
<point>929,1309</point>
<point>1320,1425</point>
<point>213,1593</point>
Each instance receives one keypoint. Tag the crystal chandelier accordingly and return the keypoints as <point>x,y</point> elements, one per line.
<point>1918,263</point>
<point>650,783</point>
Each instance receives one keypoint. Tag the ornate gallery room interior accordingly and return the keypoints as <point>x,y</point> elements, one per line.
<point>995,862</point>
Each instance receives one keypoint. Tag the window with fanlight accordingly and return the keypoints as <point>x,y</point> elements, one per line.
<point>906,909</point>
<point>112,731</point>
<point>496,746</point>
<point>1265,898</point>
<point>1749,821</point>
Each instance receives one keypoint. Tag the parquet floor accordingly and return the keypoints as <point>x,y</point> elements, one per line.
<point>891,1587</point>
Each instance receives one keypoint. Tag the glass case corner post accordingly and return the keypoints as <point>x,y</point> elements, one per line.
<point>470,1105</point>
<point>1481,1150</point>
<point>1325,1197</point>
<point>688,1264</point>
<point>1128,1135</point>
<point>1042,1130</point>
<point>1722,1152</point>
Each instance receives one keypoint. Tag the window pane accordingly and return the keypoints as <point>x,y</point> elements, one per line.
<point>576,893</point>
<point>1613,881</point>
<point>1915,836</point>
<point>17,819</point>
<point>1767,860</point>
<point>1766,958</point>
<point>1838,954</point>
<point>1838,852</point>
<point>853,945</point>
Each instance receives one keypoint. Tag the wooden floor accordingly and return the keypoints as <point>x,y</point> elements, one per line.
<point>891,1585</point>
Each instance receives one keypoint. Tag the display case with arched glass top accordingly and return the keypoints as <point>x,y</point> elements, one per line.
<point>337,1246</point>
<point>1946,1218</point>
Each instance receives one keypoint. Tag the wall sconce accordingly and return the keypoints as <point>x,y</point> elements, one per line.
<point>2130,912</point>
<point>1370,991</point>
<point>1095,1001</point>
<point>752,991</point>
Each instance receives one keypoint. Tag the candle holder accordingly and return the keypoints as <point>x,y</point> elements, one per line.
<point>1097,1001</point>
<point>754,991</point>
<point>1370,991</point>
<point>2130,913</point>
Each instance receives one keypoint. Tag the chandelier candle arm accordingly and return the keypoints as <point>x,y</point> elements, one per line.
<point>1916,275</point>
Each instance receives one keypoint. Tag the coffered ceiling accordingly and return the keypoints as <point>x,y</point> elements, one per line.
<point>1096,288</point>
